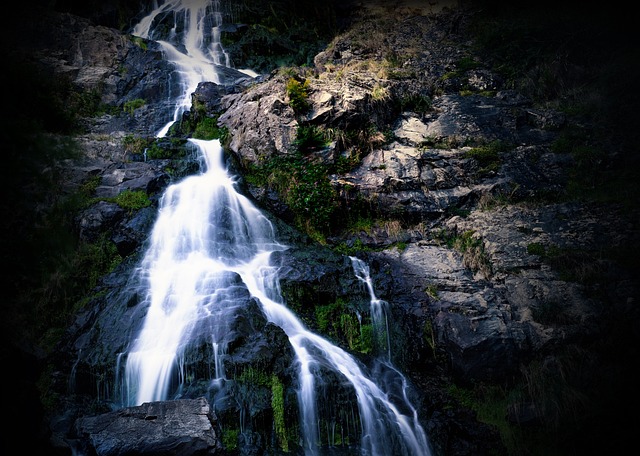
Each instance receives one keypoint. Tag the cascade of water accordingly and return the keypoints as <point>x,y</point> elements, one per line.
<point>192,44</point>
<point>210,250</point>
<point>378,307</point>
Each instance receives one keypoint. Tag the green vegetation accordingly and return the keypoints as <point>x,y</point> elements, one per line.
<point>471,247</point>
<point>51,271</point>
<point>463,65</point>
<point>551,313</point>
<point>140,42</point>
<point>449,142</point>
<point>230,438</point>
<point>583,266</point>
<point>152,148</point>
<point>298,93</point>
<point>135,144</point>
<point>339,322</point>
<point>487,156</point>
<point>432,290</point>
<point>132,200</point>
<point>208,129</point>
<point>200,124</point>
<point>277,404</point>
<point>130,106</point>
<point>552,405</point>
<point>595,175</point>
<point>429,336</point>
<point>353,248</point>
<point>281,33</point>
<point>304,186</point>
<point>535,248</point>
<point>310,138</point>
<point>417,103</point>
<point>380,93</point>
<point>253,376</point>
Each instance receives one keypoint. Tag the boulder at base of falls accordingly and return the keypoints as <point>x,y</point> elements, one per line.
<point>178,428</point>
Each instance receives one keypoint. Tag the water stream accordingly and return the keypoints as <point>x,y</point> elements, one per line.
<point>210,249</point>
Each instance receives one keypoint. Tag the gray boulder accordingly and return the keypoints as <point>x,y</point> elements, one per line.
<point>177,428</point>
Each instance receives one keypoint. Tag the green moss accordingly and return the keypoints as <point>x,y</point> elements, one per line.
<point>174,149</point>
<point>208,129</point>
<point>342,324</point>
<point>487,156</point>
<point>132,199</point>
<point>467,63</point>
<point>364,343</point>
<point>230,438</point>
<point>141,43</point>
<point>277,404</point>
<point>353,248</point>
<point>432,290</point>
<point>429,336</point>
<point>416,103</point>
<point>326,316</point>
<point>130,106</point>
<point>535,248</point>
<point>490,405</point>
<point>135,144</point>
<point>253,376</point>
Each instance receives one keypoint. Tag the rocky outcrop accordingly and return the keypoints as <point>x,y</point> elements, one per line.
<point>183,427</point>
<point>423,177</point>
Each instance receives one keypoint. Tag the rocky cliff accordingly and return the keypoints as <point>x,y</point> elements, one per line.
<point>497,210</point>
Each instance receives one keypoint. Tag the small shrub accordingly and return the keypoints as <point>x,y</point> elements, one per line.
<point>298,94</point>
<point>472,249</point>
<point>135,144</point>
<point>417,103</point>
<point>208,129</point>
<point>535,248</point>
<point>309,138</point>
<point>487,156</point>
<point>132,199</point>
<point>131,105</point>
<point>305,188</point>
<point>380,93</point>
<point>140,42</point>
<point>230,438</point>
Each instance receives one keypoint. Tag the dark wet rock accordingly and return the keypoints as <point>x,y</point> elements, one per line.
<point>182,427</point>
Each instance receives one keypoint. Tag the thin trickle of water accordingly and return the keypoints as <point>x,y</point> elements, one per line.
<point>210,252</point>
<point>378,307</point>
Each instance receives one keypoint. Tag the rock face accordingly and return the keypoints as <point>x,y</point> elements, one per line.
<point>486,274</point>
<point>181,428</point>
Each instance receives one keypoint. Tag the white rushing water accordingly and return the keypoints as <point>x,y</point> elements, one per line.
<point>192,44</point>
<point>210,250</point>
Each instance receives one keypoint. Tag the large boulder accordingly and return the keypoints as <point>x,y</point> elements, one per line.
<point>178,428</point>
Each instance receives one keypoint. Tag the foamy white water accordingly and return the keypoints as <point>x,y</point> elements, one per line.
<point>193,44</point>
<point>210,250</point>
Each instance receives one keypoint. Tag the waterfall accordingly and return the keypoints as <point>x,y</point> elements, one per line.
<point>378,307</point>
<point>210,251</point>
